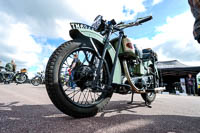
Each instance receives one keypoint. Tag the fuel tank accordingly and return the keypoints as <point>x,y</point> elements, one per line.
<point>128,48</point>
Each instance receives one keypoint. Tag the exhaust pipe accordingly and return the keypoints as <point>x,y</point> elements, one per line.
<point>159,89</point>
<point>133,87</point>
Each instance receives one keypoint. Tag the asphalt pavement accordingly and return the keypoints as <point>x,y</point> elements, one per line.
<point>25,108</point>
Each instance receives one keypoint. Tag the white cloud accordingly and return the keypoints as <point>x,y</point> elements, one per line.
<point>89,9</point>
<point>155,2</point>
<point>39,15</point>
<point>174,40</point>
<point>26,25</point>
<point>17,43</point>
<point>48,17</point>
<point>63,27</point>
<point>47,50</point>
<point>40,67</point>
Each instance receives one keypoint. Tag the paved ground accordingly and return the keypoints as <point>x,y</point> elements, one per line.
<point>25,108</point>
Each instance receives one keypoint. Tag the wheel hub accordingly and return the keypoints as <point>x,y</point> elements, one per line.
<point>83,75</point>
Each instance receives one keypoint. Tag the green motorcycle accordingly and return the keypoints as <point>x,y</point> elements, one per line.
<point>82,74</point>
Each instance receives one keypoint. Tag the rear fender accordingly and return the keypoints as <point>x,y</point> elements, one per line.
<point>96,41</point>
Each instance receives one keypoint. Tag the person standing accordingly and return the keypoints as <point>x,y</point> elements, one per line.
<point>14,65</point>
<point>190,84</point>
<point>11,67</point>
<point>75,63</point>
<point>195,9</point>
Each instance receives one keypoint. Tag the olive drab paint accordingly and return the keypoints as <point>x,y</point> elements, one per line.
<point>95,35</point>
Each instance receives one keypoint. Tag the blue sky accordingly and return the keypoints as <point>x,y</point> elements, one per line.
<point>167,8</point>
<point>31,30</point>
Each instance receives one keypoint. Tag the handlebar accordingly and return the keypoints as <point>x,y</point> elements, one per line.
<point>139,21</point>
<point>145,19</point>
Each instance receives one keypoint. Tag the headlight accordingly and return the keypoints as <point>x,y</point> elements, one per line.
<point>98,23</point>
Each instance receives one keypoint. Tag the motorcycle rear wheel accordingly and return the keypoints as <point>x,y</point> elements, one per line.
<point>64,97</point>
<point>149,97</point>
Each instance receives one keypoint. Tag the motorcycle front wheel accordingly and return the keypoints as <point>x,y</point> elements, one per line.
<point>1,78</point>
<point>36,81</point>
<point>21,78</point>
<point>71,91</point>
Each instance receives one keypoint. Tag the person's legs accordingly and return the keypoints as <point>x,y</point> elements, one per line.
<point>9,77</point>
<point>198,91</point>
<point>73,84</point>
<point>69,81</point>
<point>193,90</point>
<point>189,89</point>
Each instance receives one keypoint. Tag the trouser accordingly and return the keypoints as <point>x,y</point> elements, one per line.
<point>72,83</point>
<point>191,90</point>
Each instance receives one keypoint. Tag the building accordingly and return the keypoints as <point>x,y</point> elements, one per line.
<point>173,74</point>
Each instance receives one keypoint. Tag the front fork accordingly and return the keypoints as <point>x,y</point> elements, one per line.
<point>102,59</point>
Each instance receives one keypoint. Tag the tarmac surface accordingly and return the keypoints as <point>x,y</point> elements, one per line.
<point>28,109</point>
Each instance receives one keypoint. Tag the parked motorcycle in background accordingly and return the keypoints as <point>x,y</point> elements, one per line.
<point>106,67</point>
<point>38,79</point>
<point>8,77</point>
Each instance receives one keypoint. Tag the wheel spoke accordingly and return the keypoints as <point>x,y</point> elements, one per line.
<point>79,98</point>
<point>94,97</point>
<point>84,96</point>
<point>86,55</point>
<point>91,96</point>
<point>87,97</point>
<point>92,59</point>
<point>75,93</point>
<point>97,93</point>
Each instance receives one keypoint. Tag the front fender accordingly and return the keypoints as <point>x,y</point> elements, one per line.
<point>90,34</point>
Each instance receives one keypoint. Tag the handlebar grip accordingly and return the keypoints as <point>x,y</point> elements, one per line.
<point>145,19</point>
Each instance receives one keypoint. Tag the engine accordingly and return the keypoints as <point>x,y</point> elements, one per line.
<point>143,82</point>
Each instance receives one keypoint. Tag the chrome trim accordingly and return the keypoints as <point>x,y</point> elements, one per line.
<point>160,89</point>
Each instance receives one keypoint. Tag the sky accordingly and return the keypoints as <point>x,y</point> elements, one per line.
<point>31,30</point>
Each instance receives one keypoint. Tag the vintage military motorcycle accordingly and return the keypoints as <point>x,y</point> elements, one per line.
<point>7,76</point>
<point>107,66</point>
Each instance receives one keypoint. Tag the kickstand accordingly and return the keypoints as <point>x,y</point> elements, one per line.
<point>131,98</point>
<point>147,103</point>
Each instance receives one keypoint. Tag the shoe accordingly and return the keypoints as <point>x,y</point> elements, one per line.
<point>74,86</point>
<point>71,89</point>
